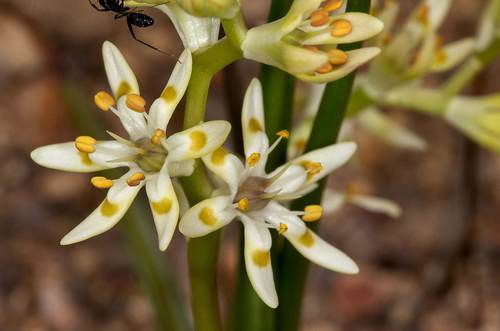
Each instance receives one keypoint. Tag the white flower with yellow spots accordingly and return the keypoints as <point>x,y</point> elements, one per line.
<point>255,198</point>
<point>151,156</point>
<point>304,42</point>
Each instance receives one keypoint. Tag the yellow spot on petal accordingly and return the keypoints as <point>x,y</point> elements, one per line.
<point>108,209</point>
<point>254,125</point>
<point>341,28</point>
<point>136,103</point>
<point>136,179</point>
<point>423,14</point>
<point>85,159</point>
<point>169,94</point>
<point>283,228</point>
<point>207,216</point>
<point>218,156</point>
<point>441,56</point>
<point>261,258</point>
<point>198,140</point>
<point>101,182</point>
<point>307,239</point>
<point>313,213</point>
<point>163,206</point>
<point>104,100</point>
<point>243,204</point>
<point>313,168</point>
<point>253,159</point>
<point>283,134</point>
<point>123,89</point>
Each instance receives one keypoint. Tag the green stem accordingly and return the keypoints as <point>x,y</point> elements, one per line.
<point>469,70</point>
<point>249,311</point>
<point>293,267</point>
<point>151,267</point>
<point>203,252</point>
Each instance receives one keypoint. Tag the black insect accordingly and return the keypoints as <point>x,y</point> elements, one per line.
<point>134,18</point>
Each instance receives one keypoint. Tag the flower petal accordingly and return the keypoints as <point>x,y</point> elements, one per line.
<point>133,122</point>
<point>275,214</point>
<point>195,32</point>
<point>376,204</point>
<point>66,157</point>
<point>164,206</point>
<point>453,54</point>
<point>390,131</point>
<point>109,212</point>
<point>162,109</point>
<point>332,201</point>
<point>121,78</point>
<point>322,253</point>
<point>207,216</point>
<point>253,125</point>
<point>258,261</point>
<point>181,169</point>
<point>330,158</point>
<point>197,141</point>
<point>364,26</point>
<point>356,58</point>
<point>225,165</point>
<point>289,181</point>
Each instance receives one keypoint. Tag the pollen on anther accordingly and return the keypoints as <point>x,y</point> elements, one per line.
<point>157,136</point>
<point>341,28</point>
<point>324,69</point>
<point>283,134</point>
<point>104,100</point>
<point>243,204</point>
<point>135,179</point>
<point>332,5</point>
<point>136,103</point>
<point>101,182</point>
<point>337,57</point>
<point>313,168</point>
<point>85,144</point>
<point>312,213</point>
<point>319,17</point>
<point>253,159</point>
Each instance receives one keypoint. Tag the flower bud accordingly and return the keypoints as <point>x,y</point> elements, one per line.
<point>210,8</point>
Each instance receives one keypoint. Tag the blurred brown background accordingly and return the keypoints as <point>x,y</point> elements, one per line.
<point>435,269</point>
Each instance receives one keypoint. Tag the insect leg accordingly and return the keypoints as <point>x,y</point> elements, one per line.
<point>97,8</point>
<point>131,29</point>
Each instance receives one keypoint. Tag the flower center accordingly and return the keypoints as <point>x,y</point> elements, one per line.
<point>252,194</point>
<point>151,156</point>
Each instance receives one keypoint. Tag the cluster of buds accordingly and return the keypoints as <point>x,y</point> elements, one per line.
<point>304,42</point>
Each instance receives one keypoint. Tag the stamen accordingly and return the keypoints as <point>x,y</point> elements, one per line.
<point>313,168</point>
<point>319,17</point>
<point>312,213</point>
<point>157,136</point>
<point>423,14</point>
<point>243,204</point>
<point>85,144</point>
<point>101,182</point>
<point>283,228</point>
<point>324,69</point>
<point>337,57</point>
<point>253,159</point>
<point>283,134</point>
<point>136,103</point>
<point>341,28</point>
<point>104,100</point>
<point>136,179</point>
<point>332,5</point>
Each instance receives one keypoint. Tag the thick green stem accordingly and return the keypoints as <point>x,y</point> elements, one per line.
<point>293,267</point>
<point>203,252</point>
<point>151,267</point>
<point>250,313</point>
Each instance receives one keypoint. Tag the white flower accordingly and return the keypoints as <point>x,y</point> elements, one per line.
<point>151,157</point>
<point>304,42</point>
<point>195,32</point>
<point>489,26</point>
<point>478,118</point>
<point>255,198</point>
